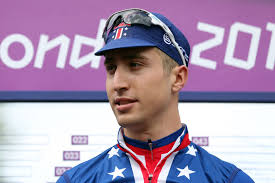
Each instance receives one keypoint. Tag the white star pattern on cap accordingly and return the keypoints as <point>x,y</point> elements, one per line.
<point>185,172</point>
<point>117,173</point>
<point>191,150</point>
<point>113,152</point>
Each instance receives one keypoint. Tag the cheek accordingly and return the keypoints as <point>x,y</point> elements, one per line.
<point>154,102</point>
<point>109,93</point>
<point>108,86</point>
<point>155,90</point>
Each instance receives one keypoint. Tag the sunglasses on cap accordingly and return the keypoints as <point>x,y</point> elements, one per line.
<point>143,17</point>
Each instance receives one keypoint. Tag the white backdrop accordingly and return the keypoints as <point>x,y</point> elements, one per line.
<point>34,136</point>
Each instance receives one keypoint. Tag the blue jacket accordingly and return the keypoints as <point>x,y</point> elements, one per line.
<point>172,159</point>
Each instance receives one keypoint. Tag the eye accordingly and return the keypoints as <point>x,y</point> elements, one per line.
<point>135,64</point>
<point>110,68</point>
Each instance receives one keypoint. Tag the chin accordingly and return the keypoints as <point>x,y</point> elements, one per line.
<point>127,121</point>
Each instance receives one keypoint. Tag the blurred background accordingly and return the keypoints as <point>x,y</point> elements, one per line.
<point>54,112</point>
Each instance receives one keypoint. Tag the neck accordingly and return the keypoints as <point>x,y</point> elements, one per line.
<point>153,134</point>
<point>158,125</point>
<point>154,129</point>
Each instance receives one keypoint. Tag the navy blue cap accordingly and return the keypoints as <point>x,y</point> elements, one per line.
<point>136,35</point>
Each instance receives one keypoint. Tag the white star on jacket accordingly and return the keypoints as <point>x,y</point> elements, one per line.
<point>191,150</point>
<point>113,152</point>
<point>117,173</point>
<point>185,172</point>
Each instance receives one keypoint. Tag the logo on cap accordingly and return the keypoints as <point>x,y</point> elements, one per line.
<point>166,39</point>
<point>120,30</point>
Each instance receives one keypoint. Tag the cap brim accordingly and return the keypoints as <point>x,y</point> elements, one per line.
<point>123,43</point>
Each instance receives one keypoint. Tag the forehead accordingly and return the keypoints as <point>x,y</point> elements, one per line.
<point>144,52</point>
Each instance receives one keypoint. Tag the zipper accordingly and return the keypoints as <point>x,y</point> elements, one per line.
<point>150,144</point>
<point>150,178</point>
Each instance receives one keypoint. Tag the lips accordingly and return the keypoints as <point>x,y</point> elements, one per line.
<point>123,104</point>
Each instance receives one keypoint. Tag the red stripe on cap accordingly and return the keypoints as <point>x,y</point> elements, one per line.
<point>119,33</point>
<point>122,25</point>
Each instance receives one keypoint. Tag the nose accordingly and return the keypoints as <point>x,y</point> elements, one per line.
<point>120,80</point>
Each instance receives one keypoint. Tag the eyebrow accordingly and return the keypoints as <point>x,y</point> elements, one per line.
<point>134,56</point>
<point>109,59</point>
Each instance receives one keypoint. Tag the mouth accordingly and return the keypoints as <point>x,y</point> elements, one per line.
<point>123,104</point>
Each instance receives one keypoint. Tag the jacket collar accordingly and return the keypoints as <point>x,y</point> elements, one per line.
<point>155,144</point>
<point>180,136</point>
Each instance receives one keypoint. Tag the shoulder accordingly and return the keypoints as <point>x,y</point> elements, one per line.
<point>242,177</point>
<point>210,160</point>
<point>87,170</point>
<point>216,168</point>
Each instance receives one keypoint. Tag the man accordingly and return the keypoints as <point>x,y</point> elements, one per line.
<point>146,59</point>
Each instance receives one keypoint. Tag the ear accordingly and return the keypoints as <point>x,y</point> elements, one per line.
<point>180,75</point>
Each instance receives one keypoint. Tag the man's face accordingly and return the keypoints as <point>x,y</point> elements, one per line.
<point>138,89</point>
